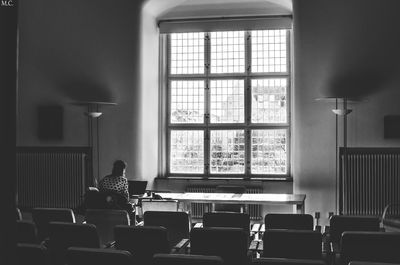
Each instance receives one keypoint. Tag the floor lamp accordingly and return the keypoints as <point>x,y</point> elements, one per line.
<point>93,114</point>
<point>339,112</point>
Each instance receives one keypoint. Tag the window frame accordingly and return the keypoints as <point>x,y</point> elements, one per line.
<point>247,126</point>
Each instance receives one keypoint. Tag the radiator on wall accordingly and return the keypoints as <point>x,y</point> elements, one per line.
<point>198,209</point>
<point>52,176</point>
<point>254,210</point>
<point>369,180</point>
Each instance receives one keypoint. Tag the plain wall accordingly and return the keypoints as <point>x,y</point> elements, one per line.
<point>88,50</point>
<point>8,98</point>
<point>341,48</point>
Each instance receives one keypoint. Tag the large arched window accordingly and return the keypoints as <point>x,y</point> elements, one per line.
<point>228,99</point>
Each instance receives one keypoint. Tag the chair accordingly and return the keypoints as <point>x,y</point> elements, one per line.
<point>231,244</point>
<point>29,254</point>
<point>391,217</point>
<point>341,223</point>
<point>370,263</point>
<point>26,232</point>
<point>227,219</point>
<point>224,207</point>
<point>370,246</point>
<point>281,261</point>
<point>90,200</point>
<point>43,216</point>
<point>176,223</point>
<point>86,256</point>
<point>164,205</point>
<point>142,241</point>
<point>18,214</point>
<point>105,221</point>
<point>110,200</point>
<point>183,259</point>
<point>289,221</point>
<point>292,244</point>
<point>65,235</point>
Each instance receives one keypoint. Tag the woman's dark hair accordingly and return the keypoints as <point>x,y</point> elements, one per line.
<point>118,168</point>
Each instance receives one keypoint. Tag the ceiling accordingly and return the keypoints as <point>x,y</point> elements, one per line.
<point>174,9</point>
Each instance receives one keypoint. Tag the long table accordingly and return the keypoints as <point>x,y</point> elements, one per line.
<point>247,198</point>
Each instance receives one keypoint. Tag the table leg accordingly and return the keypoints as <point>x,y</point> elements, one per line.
<point>186,206</point>
<point>300,208</point>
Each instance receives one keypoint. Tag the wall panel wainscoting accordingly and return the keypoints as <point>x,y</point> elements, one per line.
<point>369,180</point>
<point>52,176</point>
<point>198,209</point>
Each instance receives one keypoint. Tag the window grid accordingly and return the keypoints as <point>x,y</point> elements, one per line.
<point>276,85</point>
<point>227,52</point>
<point>227,101</point>
<point>227,152</point>
<point>187,101</point>
<point>268,103</point>
<point>268,151</point>
<point>187,53</point>
<point>269,51</point>
<point>187,151</point>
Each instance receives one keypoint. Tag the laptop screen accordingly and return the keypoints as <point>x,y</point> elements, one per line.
<point>137,187</point>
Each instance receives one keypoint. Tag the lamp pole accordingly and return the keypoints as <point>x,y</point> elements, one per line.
<point>342,166</point>
<point>93,113</point>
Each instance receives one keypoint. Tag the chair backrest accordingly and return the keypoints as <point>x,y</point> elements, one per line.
<point>142,241</point>
<point>43,216</point>
<point>289,221</point>
<point>370,246</point>
<point>281,261</point>
<point>227,219</point>
<point>105,220</point>
<point>86,256</point>
<point>341,223</point>
<point>91,198</point>
<point>391,217</point>
<point>231,244</point>
<point>29,254</point>
<point>65,235</point>
<point>369,263</point>
<point>18,214</point>
<point>292,244</point>
<point>26,232</point>
<point>183,259</point>
<point>176,223</point>
<point>159,205</point>
<point>227,207</point>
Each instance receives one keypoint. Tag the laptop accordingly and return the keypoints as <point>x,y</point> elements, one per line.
<point>136,187</point>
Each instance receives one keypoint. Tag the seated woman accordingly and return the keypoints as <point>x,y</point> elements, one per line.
<point>117,183</point>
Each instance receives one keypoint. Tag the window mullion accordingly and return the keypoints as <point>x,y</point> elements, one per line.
<point>207,53</point>
<point>248,52</point>
<point>206,153</point>
<point>247,111</point>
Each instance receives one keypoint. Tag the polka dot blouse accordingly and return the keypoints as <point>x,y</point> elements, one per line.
<point>117,184</point>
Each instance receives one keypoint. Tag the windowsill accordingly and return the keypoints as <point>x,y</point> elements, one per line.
<point>172,178</point>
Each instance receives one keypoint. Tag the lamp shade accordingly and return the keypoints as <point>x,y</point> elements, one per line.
<point>342,112</point>
<point>94,114</point>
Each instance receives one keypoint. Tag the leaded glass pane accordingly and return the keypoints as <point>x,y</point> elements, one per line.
<point>227,152</point>
<point>187,151</point>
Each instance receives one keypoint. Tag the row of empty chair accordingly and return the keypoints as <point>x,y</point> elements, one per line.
<point>285,240</point>
<point>84,256</point>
